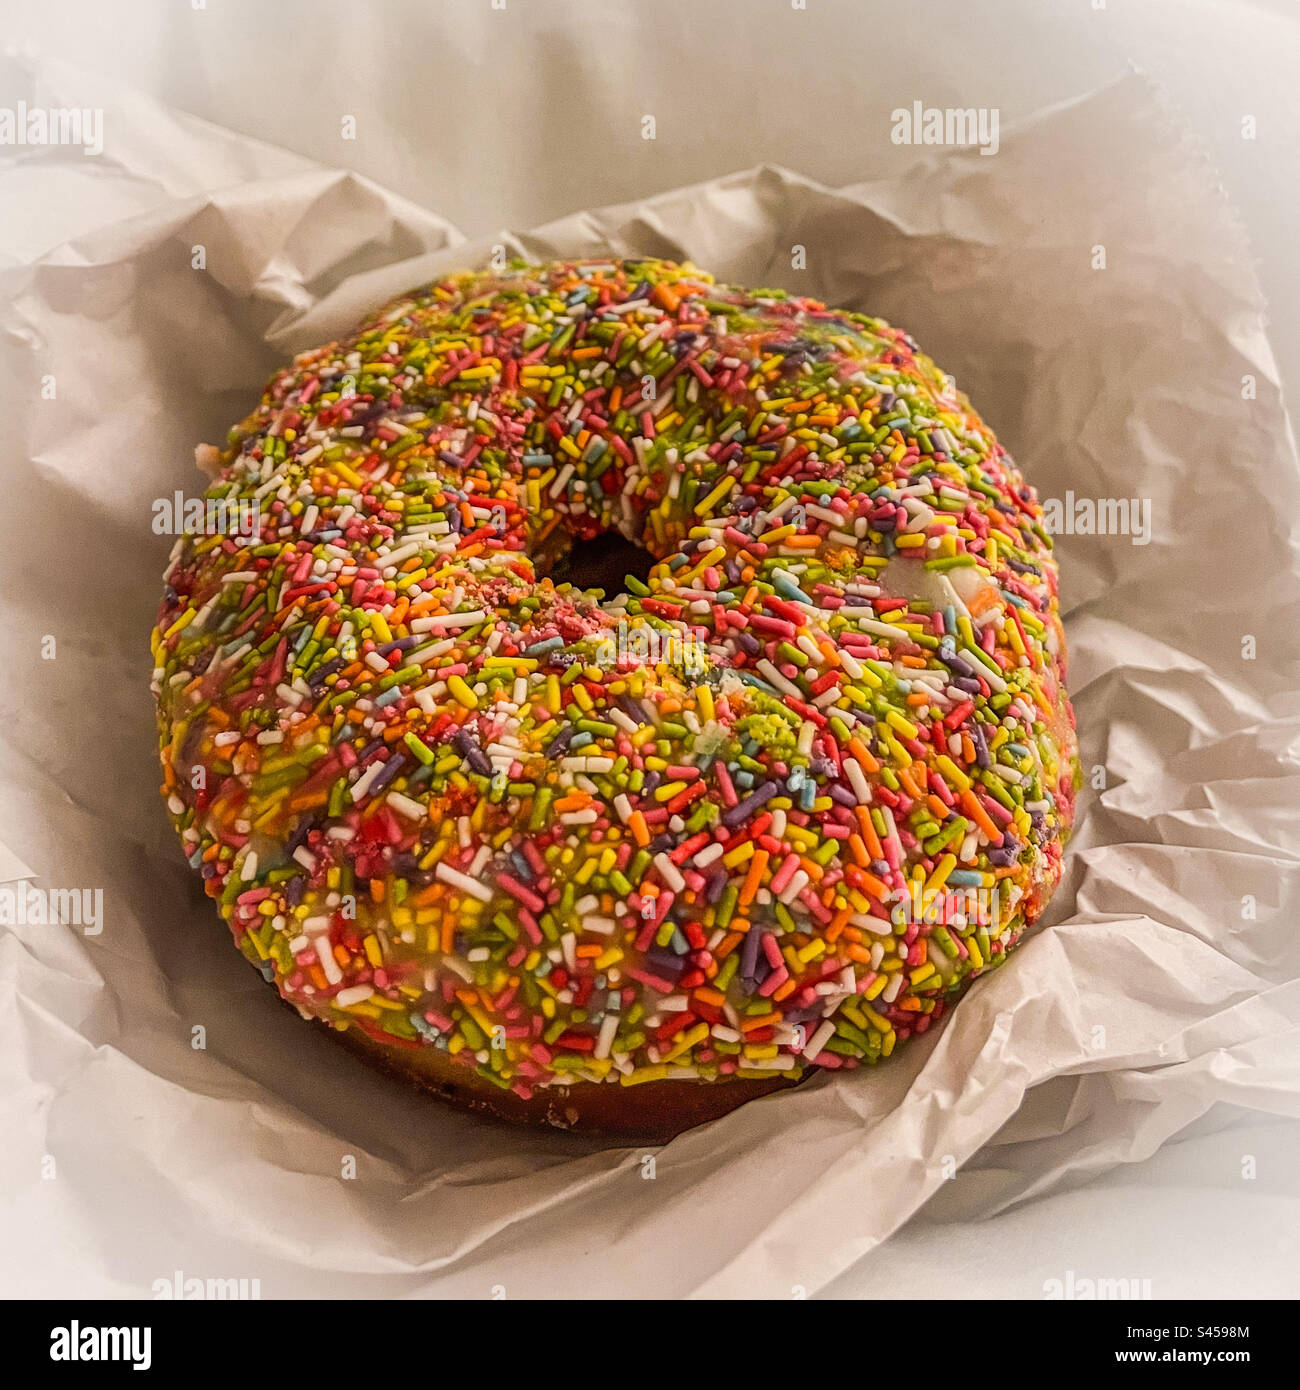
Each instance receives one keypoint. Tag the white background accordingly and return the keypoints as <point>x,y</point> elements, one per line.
<point>732,83</point>
<point>442,119</point>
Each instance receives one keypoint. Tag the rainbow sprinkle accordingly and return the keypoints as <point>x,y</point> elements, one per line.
<point>766,811</point>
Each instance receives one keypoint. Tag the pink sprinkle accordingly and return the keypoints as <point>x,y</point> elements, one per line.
<point>524,895</point>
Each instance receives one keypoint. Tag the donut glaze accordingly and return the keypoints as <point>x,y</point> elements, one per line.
<point>620,863</point>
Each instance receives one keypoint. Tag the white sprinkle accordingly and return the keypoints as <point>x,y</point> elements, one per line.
<point>448,620</point>
<point>325,954</point>
<point>404,806</point>
<point>819,1039</point>
<point>777,680</point>
<point>857,780</point>
<point>798,882</point>
<point>561,479</point>
<point>395,557</point>
<point>360,789</point>
<point>590,764</point>
<point>464,883</point>
<point>669,871</point>
<point>605,1040</point>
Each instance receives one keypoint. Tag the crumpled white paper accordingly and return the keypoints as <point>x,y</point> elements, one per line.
<point>1165,990</point>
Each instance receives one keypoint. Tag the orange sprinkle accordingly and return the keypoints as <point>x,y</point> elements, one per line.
<point>665,298</point>
<point>865,759</point>
<point>838,923</point>
<point>869,835</point>
<point>875,886</point>
<point>757,867</point>
<point>752,1025</point>
<point>728,944</point>
<point>984,596</point>
<point>970,804</point>
<point>910,787</point>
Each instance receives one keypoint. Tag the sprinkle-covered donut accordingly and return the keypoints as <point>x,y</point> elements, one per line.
<point>618,863</point>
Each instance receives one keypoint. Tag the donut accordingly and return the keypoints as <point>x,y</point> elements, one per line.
<point>602,852</point>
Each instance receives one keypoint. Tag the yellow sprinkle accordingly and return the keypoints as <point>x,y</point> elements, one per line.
<point>904,726</point>
<point>461,692</point>
<point>183,621</point>
<point>952,773</point>
<point>705,505</point>
<point>687,1041</point>
<point>640,1074</point>
<point>881,1025</point>
<point>739,855</point>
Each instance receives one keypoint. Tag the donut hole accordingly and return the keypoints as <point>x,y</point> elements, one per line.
<point>604,562</point>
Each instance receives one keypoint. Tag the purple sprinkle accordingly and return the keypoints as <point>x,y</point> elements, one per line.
<point>742,810</point>
<point>749,953</point>
<point>386,773</point>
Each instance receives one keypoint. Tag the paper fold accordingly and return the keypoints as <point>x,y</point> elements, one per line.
<point>1167,986</point>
